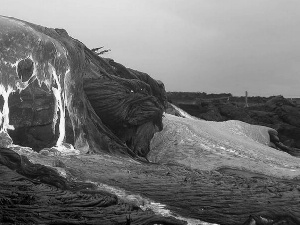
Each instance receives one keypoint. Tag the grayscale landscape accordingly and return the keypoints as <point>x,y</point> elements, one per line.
<point>155,112</point>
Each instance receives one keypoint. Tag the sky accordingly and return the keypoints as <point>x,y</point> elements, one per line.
<point>212,46</point>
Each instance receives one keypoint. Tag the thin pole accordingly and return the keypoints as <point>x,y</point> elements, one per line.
<point>246,99</point>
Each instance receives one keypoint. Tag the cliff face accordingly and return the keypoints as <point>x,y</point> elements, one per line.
<point>276,112</point>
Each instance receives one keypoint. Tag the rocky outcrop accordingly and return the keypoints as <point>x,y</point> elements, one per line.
<point>276,112</point>
<point>132,109</point>
<point>57,92</point>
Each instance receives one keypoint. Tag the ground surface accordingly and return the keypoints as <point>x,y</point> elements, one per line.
<point>208,145</point>
<point>208,183</point>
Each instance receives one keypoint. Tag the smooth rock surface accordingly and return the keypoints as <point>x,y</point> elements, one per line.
<point>209,145</point>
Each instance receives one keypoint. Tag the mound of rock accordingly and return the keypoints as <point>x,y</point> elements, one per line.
<point>57,92</point>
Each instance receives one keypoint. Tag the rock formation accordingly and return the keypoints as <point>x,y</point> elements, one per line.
<point>276,112</point>
<point>57,92</point>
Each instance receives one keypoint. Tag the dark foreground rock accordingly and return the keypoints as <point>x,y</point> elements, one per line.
<point>39,195</point>
<point>226,196</point>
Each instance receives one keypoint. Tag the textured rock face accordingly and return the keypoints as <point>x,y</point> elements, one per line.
<point>277,112</point>
<point>208,145</point>
<point>55,91</point>
<point>31,114</point>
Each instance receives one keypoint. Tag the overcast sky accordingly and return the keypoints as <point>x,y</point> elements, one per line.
<point>212,46</point>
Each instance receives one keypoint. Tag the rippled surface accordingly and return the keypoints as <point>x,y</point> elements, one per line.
<point>203,174</point>
<point>209,145</point>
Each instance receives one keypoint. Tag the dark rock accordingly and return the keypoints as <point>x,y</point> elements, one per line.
<point>289,133</point>
<point>192,109</point>
<point>289,115</point>
<point>36,194</point>
<point>61,91</point>
<point>279,101</point>
<point>274,136</point>
<point>263,117</point>
<point>212,113</point>
<point>231,112</point>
